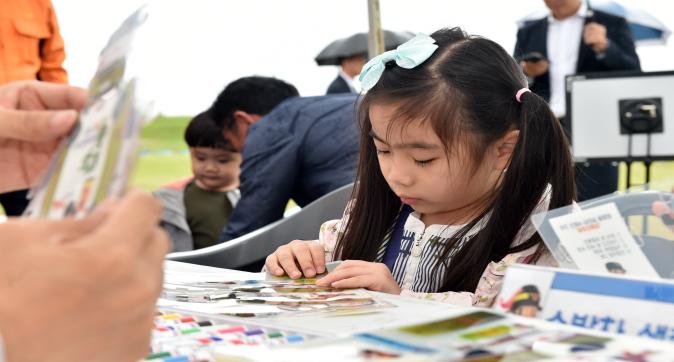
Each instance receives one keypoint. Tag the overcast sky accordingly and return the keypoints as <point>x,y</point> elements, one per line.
<point>193,48</point>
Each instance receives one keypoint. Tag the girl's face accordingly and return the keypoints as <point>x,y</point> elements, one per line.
<point>444,190</point>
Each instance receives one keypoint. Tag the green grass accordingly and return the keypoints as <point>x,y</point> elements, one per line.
<point>165,133</point>
<point>156,169</point>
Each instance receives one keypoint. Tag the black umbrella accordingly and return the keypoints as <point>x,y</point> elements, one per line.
<point>357,44</point>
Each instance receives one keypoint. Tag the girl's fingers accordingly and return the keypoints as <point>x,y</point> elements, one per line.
<point>340,273</point>
<point>272,265</point>
<point>358,281</point>
<point>302,253</point>
<point>318,256</point>
<point>287,261</point>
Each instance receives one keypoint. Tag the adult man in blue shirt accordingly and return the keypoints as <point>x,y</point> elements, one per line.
<point>298,148</point>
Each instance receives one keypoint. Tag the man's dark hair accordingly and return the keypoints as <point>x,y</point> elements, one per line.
<point>202,132</point>
<point>256,95</point>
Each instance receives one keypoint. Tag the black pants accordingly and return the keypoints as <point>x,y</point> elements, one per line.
<point>14,202</point>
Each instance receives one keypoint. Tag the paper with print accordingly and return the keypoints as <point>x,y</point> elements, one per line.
<point>597,239</point>
<point>95,162</point>
<point>598,301</point>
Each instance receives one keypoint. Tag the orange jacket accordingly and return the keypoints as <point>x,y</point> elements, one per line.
<point>31,46</point>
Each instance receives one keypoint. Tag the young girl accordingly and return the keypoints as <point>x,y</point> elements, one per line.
<point>456,154</point>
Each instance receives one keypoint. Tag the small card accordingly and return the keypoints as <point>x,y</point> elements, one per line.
<point>597,239</point>
<point>96,160</point>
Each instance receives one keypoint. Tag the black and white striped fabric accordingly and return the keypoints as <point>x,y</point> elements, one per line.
<point>420,247</point>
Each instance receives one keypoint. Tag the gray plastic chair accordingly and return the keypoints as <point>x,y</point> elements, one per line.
<point>255,246</point>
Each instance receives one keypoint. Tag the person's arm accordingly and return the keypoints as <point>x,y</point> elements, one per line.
<point>620,54</point>
<point>268,176</point>
<point>532,68</point>
<point>52,53</point>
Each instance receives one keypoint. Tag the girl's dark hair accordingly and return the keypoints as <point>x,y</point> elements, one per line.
<point>466,91</point>
<point>202,132</point>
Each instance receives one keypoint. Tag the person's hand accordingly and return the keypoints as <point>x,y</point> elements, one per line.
<point>594,35</point>
<point>34,118</point>
<point>535,69</point>
<point>297,258</point>
<point>665,212</point>
<point>361,274</point>
<point>82,290</point>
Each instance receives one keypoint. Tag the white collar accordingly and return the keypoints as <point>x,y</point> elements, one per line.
<point>581,13</point>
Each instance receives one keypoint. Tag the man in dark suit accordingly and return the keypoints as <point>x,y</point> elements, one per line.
<point>349,68</point>
<point>339,85</point>
<point>574,39</point>
<point>298,148</point>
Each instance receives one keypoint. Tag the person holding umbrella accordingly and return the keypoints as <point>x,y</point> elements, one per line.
<point>349,68</point>
<point>575,38</point>
<point>350,54</point>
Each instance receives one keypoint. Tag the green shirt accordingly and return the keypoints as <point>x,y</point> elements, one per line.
<point>207,214</point>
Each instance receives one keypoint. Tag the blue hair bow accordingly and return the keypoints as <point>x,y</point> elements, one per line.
<point>407,55</point>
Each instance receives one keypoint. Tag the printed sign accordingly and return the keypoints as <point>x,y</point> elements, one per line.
<point>607,303</point>
<point>598,240</point>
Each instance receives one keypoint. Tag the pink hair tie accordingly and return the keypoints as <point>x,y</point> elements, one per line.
<point>520,92</point>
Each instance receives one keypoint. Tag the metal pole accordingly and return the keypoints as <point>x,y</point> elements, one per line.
<point>376,35</point>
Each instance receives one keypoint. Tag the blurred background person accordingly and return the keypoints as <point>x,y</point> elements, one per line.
<point>196,209</point>
<point>349,69</point>
<point>575,39</point>
<point>32,49</point>
<point>350,55</point>
<point>298,148</point>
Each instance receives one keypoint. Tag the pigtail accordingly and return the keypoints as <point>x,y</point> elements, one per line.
<point>374,207</point>
<point>540,158</point>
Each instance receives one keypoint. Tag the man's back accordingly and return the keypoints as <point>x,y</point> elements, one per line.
<point>303,149</point>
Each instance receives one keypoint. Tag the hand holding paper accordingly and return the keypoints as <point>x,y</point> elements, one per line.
<point>34,118</point>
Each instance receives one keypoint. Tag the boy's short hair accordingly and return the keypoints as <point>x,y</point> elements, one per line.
<point>202,132</point>
<point>256,95</point>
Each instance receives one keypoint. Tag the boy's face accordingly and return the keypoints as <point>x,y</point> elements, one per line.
<point>215,169</point>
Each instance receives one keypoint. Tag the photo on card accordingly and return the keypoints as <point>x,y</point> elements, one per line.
<point>522,292</point>
<point>452,324</point>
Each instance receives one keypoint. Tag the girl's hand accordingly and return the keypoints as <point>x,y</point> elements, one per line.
<point>297,258</point>
<point>361,274</point>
